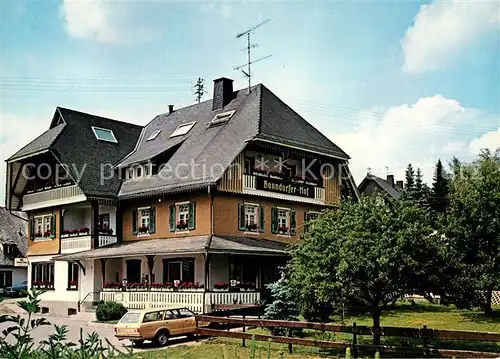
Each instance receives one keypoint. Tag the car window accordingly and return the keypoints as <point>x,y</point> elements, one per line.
<point>170,315</point>
<point>130,318</point>
<point>153,317</point>
<point>185,313</point>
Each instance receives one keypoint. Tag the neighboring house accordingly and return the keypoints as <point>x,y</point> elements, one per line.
<point>13,263</point>
<point>201,205</point>
<point>372,184</point>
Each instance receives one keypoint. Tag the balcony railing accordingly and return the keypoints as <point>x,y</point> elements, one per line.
<point>199,302</point>
<point>249,182</point>
<point>84,242</point>
<point>56,194</point>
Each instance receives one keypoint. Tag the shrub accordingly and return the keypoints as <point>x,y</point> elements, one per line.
<point>107,311</point>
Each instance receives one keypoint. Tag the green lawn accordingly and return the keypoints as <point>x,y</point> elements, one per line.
<point>404,315</point>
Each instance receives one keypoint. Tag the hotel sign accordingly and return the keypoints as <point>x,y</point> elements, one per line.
<point>288,187</point>
<point>20,262</point>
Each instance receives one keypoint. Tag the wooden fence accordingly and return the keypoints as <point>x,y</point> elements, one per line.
<point>424,335</point>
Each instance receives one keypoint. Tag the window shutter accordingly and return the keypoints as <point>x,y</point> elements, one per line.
<point>70,264</point>
<point>152,220</point>
<point>261,219</point>
<point>192,215</point>
<point>274,220</point>
<point>241,217</point>
<point>134,221</point>
<point>53,226</point>
<point>32,229</point>
<point>171,218</point>
<point>293,223</point>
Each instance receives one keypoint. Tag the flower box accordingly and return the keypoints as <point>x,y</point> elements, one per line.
<point>182,225</point>
<point>253,227</point>
<point>221,289</point>
<point>143,229</point>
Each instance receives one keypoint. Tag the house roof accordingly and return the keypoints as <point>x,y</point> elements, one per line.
<point>72,141</point>
<point>203,154</point>
<point>381,183</point>
<point>41,143</point>
<point>195,244</point>
<point>13,231</point>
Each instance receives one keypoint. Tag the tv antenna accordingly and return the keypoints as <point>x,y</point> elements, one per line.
<point>249,47</point>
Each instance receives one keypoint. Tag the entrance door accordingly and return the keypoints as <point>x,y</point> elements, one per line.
<point>134,270</point>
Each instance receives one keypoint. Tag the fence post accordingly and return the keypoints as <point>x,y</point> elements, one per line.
<point>290,344</point>
<point>243,340</point>
<point>196,324</point>
<point>354,341</point>
<point>425,339</point>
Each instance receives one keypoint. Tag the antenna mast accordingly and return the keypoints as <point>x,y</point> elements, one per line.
<point>200,90</point>
<point>250,46</point>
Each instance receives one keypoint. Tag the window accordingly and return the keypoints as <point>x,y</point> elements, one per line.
<point>183,129</point>
<point>42,275</point>
<point>182,216</point>
<point>73,270</point>
<point>144,220</point>
<point>247,169</point>
<point>130,173</point>
<point>251,217</point>
<point>309,216</point>
<point>221,118</point>
<point>181,270</point>
<point>10,250</point>
<point>153,317</point>
<point>138,172</point>
<point>104,134</point>
<point>5,279</point>
<point>130,318</point>
<point>283,221</point>
<point>43,227</point>
<point>153,135</point>
<point>104,223</point>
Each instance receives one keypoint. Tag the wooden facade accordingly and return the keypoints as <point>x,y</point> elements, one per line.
<point>232,179</point>
<point>49,245</point>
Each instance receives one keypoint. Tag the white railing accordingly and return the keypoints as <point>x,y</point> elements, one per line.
<point>319,193</point>
<point>249,182</point>
<point>199,302</point>
<point>52,195</point>
<point>106,240</point>
<point>76,244</point>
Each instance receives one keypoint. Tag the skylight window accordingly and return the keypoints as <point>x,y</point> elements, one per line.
<point>183,129</point>
<point>104,134</point>
<point>154,135</point>
<point>221,118</point>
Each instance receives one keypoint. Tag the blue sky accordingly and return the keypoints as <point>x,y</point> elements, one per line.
<point>390,82</point>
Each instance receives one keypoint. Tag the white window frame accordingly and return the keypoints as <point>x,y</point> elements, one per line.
<point>179,131</point>
<point>46,220</point>
<point>184,214</point>
<point>153,135</point>
<point>141,216</point>
<point>284,214</point>
<point>249,207</point>
<point>222,118</point>
<point>94,128</point>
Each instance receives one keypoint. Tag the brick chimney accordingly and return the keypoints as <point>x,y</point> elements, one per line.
<point>223,93</point>
<point>399,185</point>
<point>390,180</point>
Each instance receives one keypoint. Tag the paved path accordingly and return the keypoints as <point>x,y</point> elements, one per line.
<point>103,330</point>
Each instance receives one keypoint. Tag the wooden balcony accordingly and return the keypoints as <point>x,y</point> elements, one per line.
<point>53,197</point>
<point>73,244</point>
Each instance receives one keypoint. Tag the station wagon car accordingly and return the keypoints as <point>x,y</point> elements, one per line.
<point>157,325</point>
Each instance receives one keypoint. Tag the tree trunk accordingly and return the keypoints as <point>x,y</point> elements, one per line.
<point>487,307</point>
<point>376,311</point>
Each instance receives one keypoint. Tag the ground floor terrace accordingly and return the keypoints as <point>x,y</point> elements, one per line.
<point>203,273</point>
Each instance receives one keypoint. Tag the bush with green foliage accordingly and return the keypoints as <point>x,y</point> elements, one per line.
<point>107,311</point>
<point>16,341</point>
<point>281,307</point>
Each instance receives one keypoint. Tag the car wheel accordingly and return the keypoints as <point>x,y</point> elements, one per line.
<point>137,343</point>
<point>161,338</point>
<point>190,335</point>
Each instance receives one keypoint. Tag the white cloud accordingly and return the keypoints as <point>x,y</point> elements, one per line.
<point>421,133</point>
<point>114,22</point>
<point>442,29</point>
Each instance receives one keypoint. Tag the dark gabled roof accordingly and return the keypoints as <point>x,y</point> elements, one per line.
<point>41,143</point>
<point>381,183</point>
<point>214,147</point>
<point>258,115</point>
<point>79,146</point>
<point>13,231</point>
<point>279,123</point>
